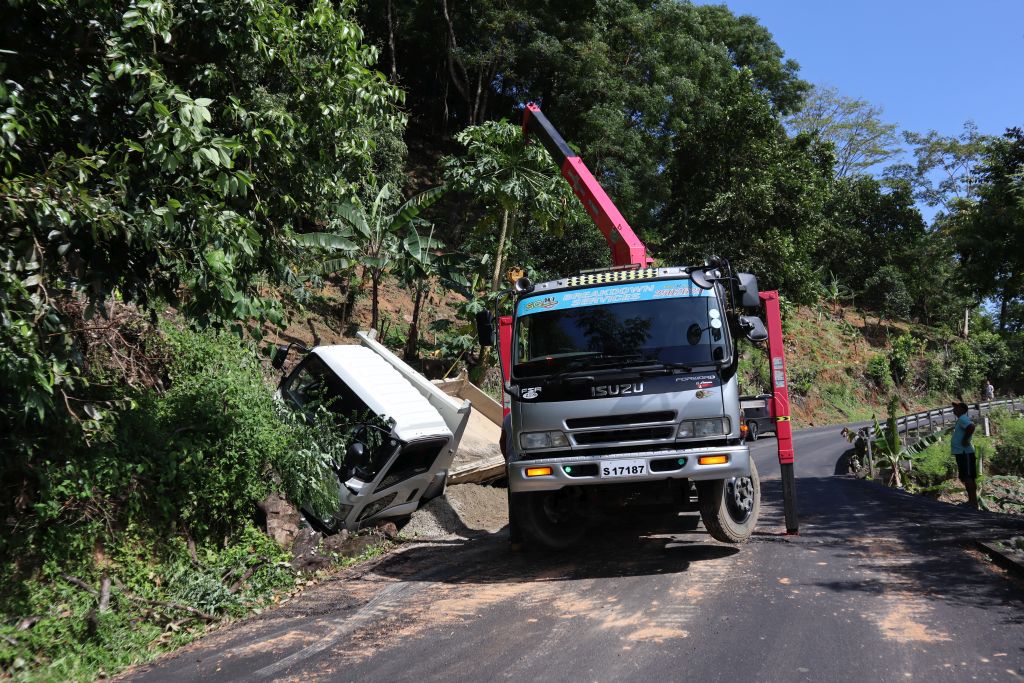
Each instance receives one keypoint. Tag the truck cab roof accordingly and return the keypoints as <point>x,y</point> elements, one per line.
<point>384,390</point>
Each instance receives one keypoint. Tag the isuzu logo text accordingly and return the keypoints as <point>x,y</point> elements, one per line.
<point>617,390</point>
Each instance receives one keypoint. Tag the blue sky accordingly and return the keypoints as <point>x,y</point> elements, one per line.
<point>929,64</point>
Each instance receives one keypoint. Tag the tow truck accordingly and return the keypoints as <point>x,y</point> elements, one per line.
<point>620,384</point>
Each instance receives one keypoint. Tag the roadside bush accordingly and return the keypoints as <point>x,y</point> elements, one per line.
<point>1009,448</point>
<point>77,642</point>
<point>878,372</point>
<point>193,458</point>
<point>933,465</point>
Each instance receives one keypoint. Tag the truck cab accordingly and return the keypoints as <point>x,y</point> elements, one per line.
<point>387,473</point>
<point>625,379</point>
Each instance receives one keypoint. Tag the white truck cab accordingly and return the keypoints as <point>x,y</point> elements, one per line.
<point>410,466</point>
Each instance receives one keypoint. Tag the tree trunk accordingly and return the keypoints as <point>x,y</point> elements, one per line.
<point>391,42</point>
<point>414,328</point>
<point>501,251</point>
<point>375,285</point>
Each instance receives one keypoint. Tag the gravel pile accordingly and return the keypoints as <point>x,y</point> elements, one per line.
<point>465,510</point>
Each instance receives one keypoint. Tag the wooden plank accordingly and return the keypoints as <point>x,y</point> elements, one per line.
<point>478,472</point>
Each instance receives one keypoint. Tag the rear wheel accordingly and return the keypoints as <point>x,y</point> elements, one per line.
<point>752,431</point>
<point>729,507</point>
<point>553,519</point>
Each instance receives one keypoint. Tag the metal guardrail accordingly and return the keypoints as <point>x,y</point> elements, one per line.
<point>936,416</point>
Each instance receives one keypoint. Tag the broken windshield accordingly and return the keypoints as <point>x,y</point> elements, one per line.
<point>667,323</point>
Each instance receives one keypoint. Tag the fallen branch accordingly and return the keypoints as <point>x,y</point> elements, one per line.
<point>105,593</point>
<point>161,603</point>
<point>248,573</point>
<point>79,583</point>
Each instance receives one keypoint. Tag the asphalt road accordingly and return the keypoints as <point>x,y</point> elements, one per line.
<point>878,586</point>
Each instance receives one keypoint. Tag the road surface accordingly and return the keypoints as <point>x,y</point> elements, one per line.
<point>879,586</point>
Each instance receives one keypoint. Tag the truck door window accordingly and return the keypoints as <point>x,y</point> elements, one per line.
<point>314,381</point>
<point>416,458</point>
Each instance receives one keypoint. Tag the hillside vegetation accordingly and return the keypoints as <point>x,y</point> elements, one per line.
<point>182,183</point>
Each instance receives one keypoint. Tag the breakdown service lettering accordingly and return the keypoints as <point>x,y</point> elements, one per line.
<point>612,294</point>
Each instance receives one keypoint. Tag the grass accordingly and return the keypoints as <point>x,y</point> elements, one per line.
<point>51,628</point>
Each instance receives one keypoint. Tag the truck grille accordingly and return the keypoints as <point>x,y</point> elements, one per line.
<point>613,420</point>
<point>614,435</point>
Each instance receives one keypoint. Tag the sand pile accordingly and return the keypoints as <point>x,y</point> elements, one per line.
<point>465,510</point>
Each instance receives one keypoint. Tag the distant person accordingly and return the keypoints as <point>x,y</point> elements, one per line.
<point>990,391</point>
<point>963,451</point>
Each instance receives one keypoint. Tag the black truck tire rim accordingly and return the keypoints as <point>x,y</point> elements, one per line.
<point>739,498</point>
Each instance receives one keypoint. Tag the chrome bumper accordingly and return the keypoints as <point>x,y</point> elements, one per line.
<point>737,466</point>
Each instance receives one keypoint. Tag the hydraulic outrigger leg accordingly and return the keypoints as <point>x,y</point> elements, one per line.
<point>780,406</point>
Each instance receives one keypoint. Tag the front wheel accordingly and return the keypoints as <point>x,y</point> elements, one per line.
<point>729,507</point>
<point>553,519</point>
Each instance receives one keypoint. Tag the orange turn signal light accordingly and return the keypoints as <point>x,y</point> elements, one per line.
<point>538,471</point>
<point>712,459</point>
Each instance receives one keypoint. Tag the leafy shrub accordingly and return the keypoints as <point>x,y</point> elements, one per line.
<point>933,465</point>
<point>937,377</point>
<point>878,372</point>
<point>903,351</point>
<point>1009,449</point>
<point>75,642</point>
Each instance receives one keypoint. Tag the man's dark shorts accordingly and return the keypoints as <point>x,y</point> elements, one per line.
<point>967,465</point>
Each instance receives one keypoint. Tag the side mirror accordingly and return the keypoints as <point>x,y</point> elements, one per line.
<point>485,328</point>
<point>749,295</point>
<point>753,327</point>
<point>280,354</point>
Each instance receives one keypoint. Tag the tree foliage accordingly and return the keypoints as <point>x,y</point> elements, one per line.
<point>675,107</point>
<point>942,172</point>
<point>511,182</point>
<point>376,239</point>
<point>156,151</point>
<point>988,228</point>
<point>854,127</point>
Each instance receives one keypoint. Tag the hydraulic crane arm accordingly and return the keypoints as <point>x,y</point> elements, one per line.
<point>626,247</point>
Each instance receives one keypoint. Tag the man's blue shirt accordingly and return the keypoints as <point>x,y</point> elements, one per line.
<point>959,430</point>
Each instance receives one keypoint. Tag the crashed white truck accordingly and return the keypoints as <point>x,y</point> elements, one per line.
<point>413,461</point>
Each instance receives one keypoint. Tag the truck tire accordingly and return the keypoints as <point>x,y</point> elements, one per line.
<point>729,507</point>
<point>752,431</point>
<point>551,519</point>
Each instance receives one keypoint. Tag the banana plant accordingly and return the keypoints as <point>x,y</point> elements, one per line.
<point>373,238</point>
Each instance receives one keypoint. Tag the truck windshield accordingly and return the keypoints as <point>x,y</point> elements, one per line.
<point>687,331</point>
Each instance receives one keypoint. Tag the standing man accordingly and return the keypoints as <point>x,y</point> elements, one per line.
<point>963,451</point>
<point>990,391</point>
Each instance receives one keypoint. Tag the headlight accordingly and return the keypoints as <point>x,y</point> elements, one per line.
<point>718,426</point>
<point>531,440</point>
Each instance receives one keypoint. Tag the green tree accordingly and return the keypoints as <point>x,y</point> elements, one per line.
<point>164,152</point>
<point>758,197</point>
<point>886,291</point>
<point>376,239</point>
<point>652,94</point>
<point>512,182</point>
<point>988,229</point>
<point>942,172</point>
<point>854,127</point>
<point>869,226</point>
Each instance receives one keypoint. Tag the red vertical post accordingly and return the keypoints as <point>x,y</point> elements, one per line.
<point>505,351</point>
<point>780,406</point>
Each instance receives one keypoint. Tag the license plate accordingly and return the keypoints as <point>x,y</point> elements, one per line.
<point>623,468</point>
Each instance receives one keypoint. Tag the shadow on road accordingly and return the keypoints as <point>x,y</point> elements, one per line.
<point>633,544</point>
<point>900,543</point>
